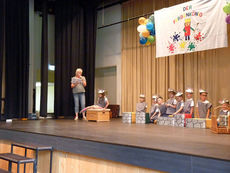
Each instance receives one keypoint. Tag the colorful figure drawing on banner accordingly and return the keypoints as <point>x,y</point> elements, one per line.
<point>171,47</point>
<point>176,37</point>
<point>198,35</point>
<point>187,29</point>
<point>191,39</point>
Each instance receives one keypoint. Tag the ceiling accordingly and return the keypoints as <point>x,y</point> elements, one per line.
<point>100,4</point>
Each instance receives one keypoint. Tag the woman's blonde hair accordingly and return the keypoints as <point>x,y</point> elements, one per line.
<point>79,70</point>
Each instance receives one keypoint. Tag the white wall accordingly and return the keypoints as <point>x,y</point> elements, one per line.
<point>31,54</point>
<point>106,78</point>
<point>35,57</point>
<point>50,99</point>
<point>108,44</point>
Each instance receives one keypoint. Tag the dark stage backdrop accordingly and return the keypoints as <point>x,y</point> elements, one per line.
<point>44,60</point>
<point>17,58</point>
<point>2,26</point>
<point>75,36</point>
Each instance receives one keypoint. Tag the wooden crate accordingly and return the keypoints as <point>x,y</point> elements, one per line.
<point>98,115</point>
<point>208,123</point>
<point>219,130</point>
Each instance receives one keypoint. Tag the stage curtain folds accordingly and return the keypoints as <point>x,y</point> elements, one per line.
<point>17,58</point>
<point>44,60</point>
<point>75,31</point>
<point>2,26</point>
<point>143,73</point>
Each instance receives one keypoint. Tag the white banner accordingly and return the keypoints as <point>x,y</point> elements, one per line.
<point>192,26</point>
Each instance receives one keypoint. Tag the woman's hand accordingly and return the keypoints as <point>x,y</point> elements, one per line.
<point>83,81</point>
<point>72,85</point>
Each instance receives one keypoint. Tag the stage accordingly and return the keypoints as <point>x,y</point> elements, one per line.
<point>163,148</point>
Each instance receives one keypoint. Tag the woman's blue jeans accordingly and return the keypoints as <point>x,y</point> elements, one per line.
<point>79,97</point>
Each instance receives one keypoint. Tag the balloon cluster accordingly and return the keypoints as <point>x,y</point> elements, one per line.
<point>146,30</point>
<point>227,11</point>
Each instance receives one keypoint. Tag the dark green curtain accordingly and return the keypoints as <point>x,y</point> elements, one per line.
<point>17,58</point>
<point>75,36</point>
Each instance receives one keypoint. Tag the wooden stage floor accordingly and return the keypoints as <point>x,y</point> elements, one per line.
<point>196,142</point>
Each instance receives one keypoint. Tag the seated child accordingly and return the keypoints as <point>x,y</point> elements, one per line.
<point>162,107</point>
<point>142,105</point>
<point>154,110</point>
<point>180,103</point>
<point>171,102</point>
<point>189,103</point>
<point>102,102</point>
<point>224,107</point>
<point>224,111</point>
<point>203,105</point>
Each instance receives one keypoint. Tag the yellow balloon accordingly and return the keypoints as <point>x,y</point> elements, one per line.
<point>147,43</point>
<point>146,21</point>
<point>145,33</point>
<point>141,20</point>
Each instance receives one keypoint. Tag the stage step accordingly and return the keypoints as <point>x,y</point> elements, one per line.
<point>32,146</point>
<point>16,158</point>
<point>36,148</point>
<point>3,171</point>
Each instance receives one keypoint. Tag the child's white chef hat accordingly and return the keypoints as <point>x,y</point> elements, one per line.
<point>178,94</point>
<point>224,101</point>
<point>101,91</point>
<point>189,90</point>
<point>142,96</point>
<point>155,97</point>
<point>171,90</point>
<point>202,91</point>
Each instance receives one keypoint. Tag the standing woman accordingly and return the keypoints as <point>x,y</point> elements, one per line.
<point>78,84</point>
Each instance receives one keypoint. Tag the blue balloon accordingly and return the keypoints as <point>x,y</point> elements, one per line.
<point>149,26</point>
<point>152,32</point>
<point>143,40</point>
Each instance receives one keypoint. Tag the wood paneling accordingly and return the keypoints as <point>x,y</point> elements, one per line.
<point>64,162</point>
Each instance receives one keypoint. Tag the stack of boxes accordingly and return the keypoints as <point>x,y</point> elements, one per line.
<point>135,117</point>
<point>166,121</point>
<point>129,117</point>
<point>180,119</point>
<point>184,120</point>
<point>140,117</point>
<point>196,123</point>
